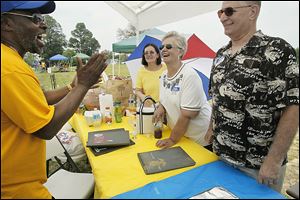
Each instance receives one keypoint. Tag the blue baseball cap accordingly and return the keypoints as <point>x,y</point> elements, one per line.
<point>44,7</point>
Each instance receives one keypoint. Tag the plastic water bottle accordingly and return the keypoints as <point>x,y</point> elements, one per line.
<point>96,118</point>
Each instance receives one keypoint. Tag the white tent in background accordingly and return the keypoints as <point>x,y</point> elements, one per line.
<point>148,14</point>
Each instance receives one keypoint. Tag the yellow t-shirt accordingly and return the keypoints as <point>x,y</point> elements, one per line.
<point>24,110</point>
<point>148,81</point>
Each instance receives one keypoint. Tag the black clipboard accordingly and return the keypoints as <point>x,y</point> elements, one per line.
<point>165,160</point>
<point>97,151</point>
<point>108,138</point>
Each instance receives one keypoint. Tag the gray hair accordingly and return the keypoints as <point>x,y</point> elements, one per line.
<point>258,3</point>
<point>181,41</point>
<point>252,2</point>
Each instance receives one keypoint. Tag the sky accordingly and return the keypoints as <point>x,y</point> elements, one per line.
<point>280,19</point>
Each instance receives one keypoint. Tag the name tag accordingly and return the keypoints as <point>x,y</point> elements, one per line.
<point>219,60</point>
<point>176,88</point>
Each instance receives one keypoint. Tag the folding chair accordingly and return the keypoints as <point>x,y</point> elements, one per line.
<point>293,191</point>
<point>72,144</point>
<point>56,148</point>
<point>63,184</point>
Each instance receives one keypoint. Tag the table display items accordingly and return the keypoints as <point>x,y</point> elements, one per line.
<point>102,142</point>
<point>144,117</point>
<point>158,128</point>
<point>107,118</point>
<point>93,118</point>
<point>118,111</point>
<point>165,160</point>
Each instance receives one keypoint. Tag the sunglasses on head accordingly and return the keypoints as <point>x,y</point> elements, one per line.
<point>230,10</point>
<point>35,17</point>
<point>168,46</point>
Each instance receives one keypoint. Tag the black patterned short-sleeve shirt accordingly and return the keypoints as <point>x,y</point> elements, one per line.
<point>249,91</point>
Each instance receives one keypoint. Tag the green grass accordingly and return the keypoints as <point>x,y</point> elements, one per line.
<point>121,71</point>
<point>64,78</point>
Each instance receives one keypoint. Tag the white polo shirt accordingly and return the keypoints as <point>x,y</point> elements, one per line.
<point>184,90</point>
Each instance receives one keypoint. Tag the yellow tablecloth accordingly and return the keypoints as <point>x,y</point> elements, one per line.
<point>120,171</point>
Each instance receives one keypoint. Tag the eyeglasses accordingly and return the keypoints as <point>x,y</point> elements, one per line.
<point>35,17</point>
<point>230,10</point>
<point>168,46</point>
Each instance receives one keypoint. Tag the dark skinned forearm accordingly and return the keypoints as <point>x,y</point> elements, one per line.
<point>64,109</point>
<point>54,96</point>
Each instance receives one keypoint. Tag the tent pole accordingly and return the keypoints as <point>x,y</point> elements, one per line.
<point>113,65</point>
<point>137,37</point>
<point>119,65</point>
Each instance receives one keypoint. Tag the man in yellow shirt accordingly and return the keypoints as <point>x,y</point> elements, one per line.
<point>30,116</point>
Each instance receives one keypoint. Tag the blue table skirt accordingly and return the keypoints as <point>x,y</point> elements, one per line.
<point>197,180</point>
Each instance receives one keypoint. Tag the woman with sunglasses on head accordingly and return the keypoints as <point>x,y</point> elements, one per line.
<point>254,86</point>
<point>147,82</point>
<point>182,98</point>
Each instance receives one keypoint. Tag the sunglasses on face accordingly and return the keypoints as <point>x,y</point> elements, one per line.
<point>35,17</point>
<point>230,10</point>
<point>168,46</point>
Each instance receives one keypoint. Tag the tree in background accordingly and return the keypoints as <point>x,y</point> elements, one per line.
<point>69,53</point>
<point>32,59</point>
<point>83,40</point>
<point>107,52</point>
<point>55,40</point>
<point>127,32</point>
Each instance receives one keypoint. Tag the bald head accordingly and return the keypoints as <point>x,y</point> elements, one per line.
<point>257,3</point>
<point>251,3</point>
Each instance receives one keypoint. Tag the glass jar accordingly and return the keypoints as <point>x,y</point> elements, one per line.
<point>131,105</point>
<point>158,127</point>
<point>107,116</point>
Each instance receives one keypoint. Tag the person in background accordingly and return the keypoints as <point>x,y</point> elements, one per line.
<point>182,97</point>
<point>147,82</point>
<point>43,66</point>
<point>254,86</point>
<point>30,116</point>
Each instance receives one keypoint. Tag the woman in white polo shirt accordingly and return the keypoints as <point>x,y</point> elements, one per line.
<point>182,98</point>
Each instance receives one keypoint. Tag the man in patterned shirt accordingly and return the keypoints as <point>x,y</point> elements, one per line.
<point>254,86</point>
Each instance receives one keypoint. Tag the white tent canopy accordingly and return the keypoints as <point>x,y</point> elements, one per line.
<point>148,14</point>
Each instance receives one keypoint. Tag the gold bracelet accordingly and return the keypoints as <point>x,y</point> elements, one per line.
<point>69,87</point>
